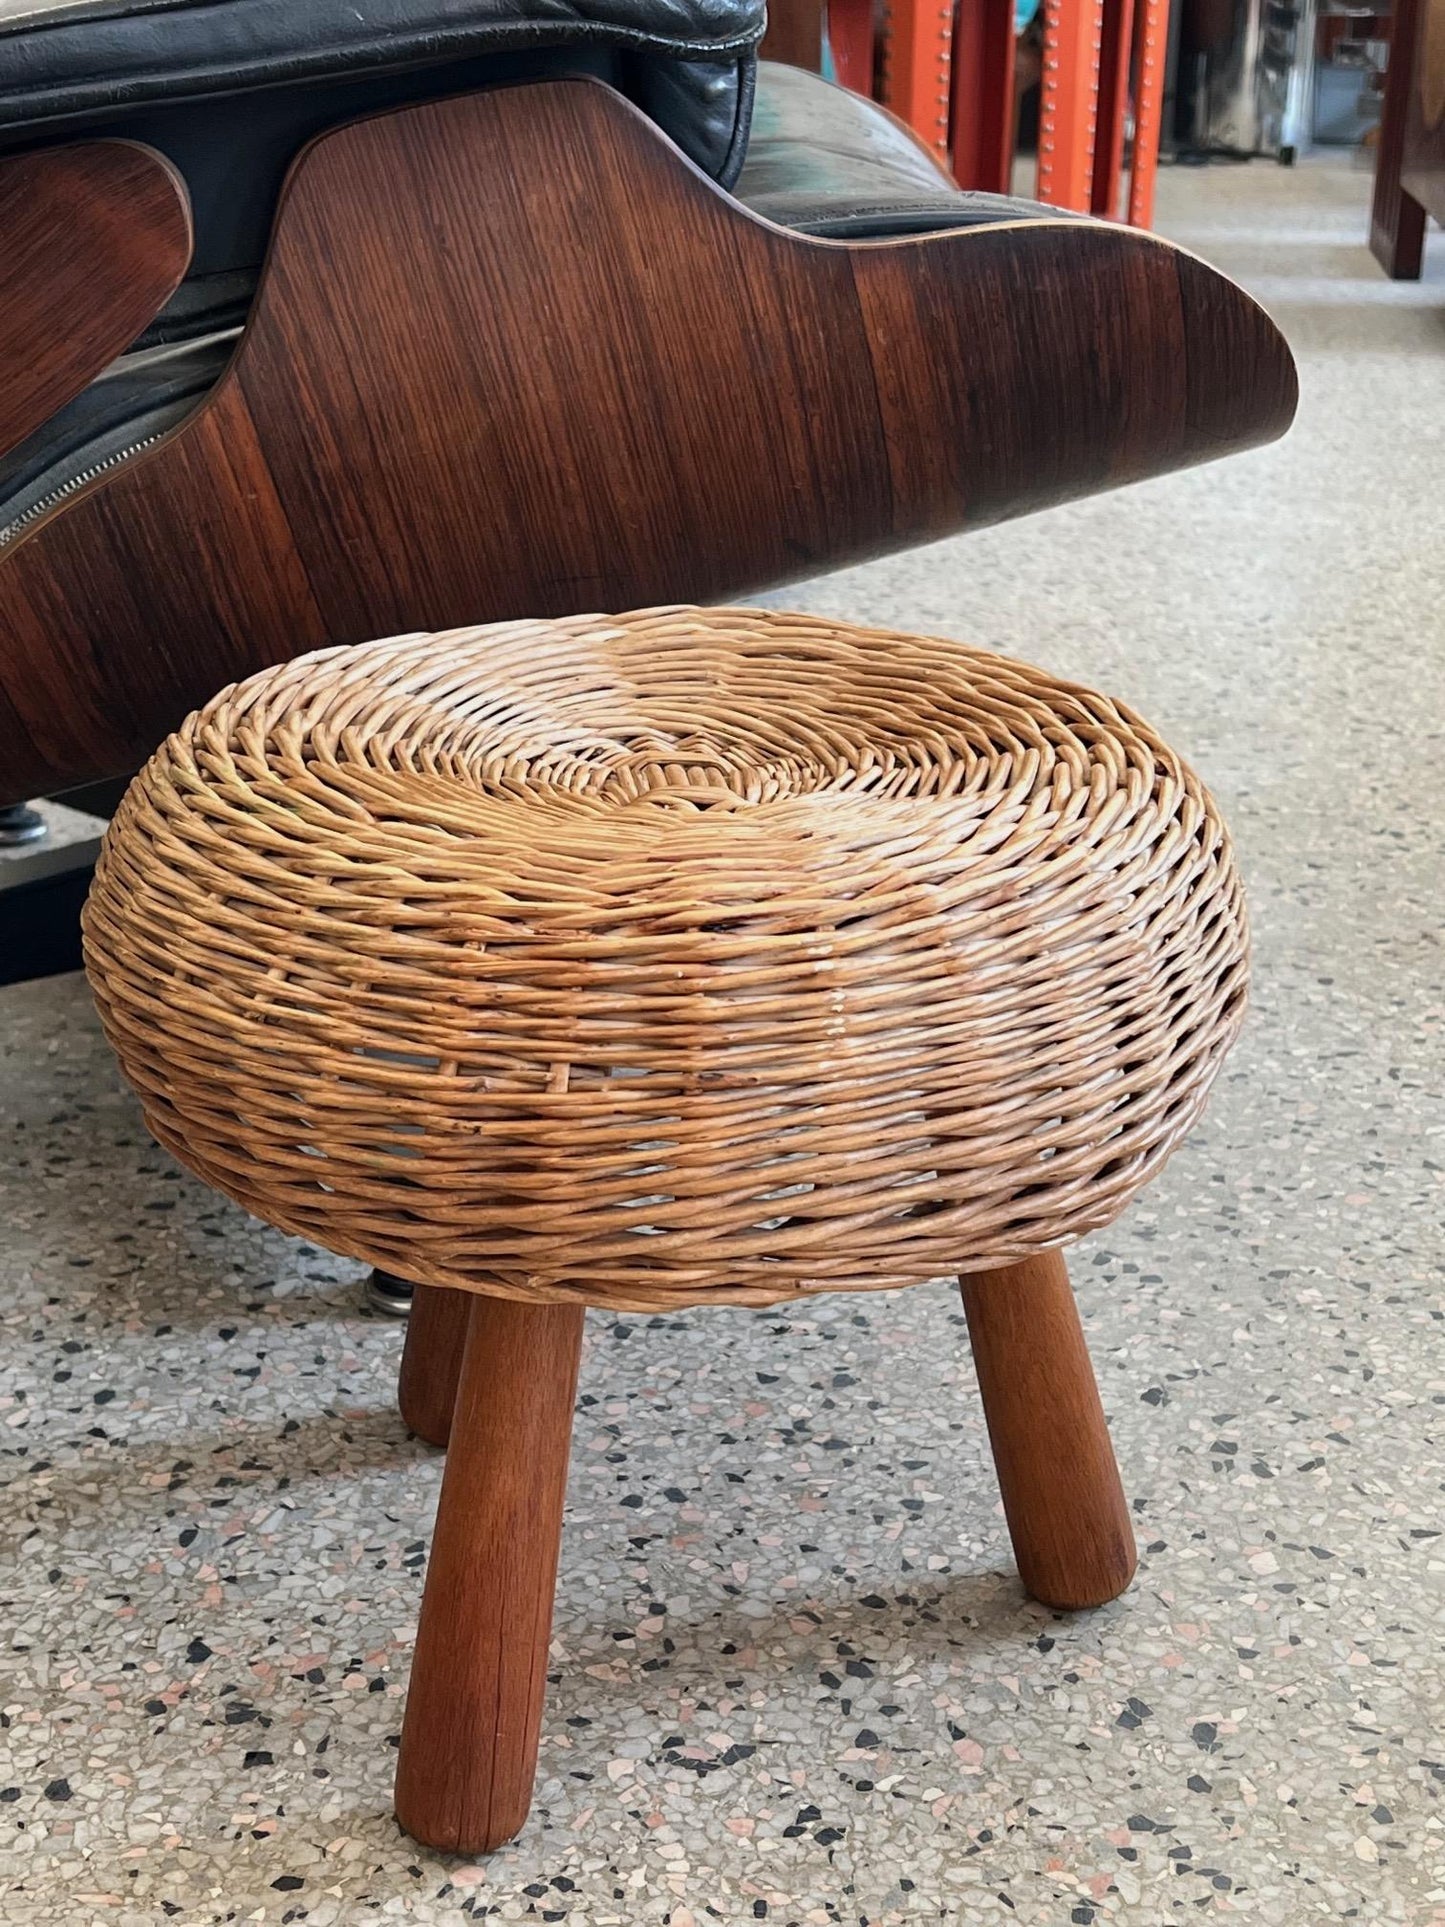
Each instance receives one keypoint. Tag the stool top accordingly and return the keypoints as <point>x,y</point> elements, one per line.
<point>684,956</point>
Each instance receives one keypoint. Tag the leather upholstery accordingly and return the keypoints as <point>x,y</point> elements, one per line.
<point>824,161</point>
<point>68,64</point>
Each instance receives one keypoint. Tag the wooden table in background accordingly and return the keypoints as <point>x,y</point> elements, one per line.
<point>1410,162</point>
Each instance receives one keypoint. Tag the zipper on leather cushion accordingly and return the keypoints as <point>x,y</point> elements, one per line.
<point>57,495</point>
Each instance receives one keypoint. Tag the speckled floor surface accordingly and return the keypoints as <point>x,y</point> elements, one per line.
<point>797,1681</point>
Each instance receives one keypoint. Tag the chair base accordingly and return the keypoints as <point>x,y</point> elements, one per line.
<point>388,1295</point>
<point>498,1379</point>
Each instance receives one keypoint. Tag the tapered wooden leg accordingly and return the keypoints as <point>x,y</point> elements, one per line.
<point>1061,1493</point>
<point>469,1739</point>
<point>431,1361</point>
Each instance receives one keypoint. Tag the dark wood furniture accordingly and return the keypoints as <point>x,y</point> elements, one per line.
<point>454,402</point>
<point>96,238</point>
<point>1410,159</point>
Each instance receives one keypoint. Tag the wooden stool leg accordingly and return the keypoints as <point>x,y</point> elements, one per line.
<point>1061,1493</point>
<point>431,1360</point>
<point>479,1675</point>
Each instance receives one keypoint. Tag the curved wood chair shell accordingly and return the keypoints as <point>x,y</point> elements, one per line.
<point>96,239</point>
<point>512,354</point>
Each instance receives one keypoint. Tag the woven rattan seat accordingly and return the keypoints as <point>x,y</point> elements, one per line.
<point>688,956</point>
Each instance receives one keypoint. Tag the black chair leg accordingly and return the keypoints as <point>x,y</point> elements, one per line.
<point>388,1295</point>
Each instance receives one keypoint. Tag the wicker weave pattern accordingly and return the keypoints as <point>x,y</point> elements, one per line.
<point>685,956</point>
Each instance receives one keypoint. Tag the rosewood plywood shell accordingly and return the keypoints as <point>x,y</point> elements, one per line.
<point>513,355</point>
<point>94,240</point>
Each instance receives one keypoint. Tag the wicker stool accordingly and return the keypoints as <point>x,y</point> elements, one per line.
<point>688,957</point>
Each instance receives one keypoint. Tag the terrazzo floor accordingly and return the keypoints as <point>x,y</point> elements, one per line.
<point>795,1678</point>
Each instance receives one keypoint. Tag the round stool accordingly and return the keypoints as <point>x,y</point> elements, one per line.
<point>679,958</point>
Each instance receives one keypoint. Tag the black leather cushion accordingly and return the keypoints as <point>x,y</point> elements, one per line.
<point>66,64</point>
<point>824,161</point>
